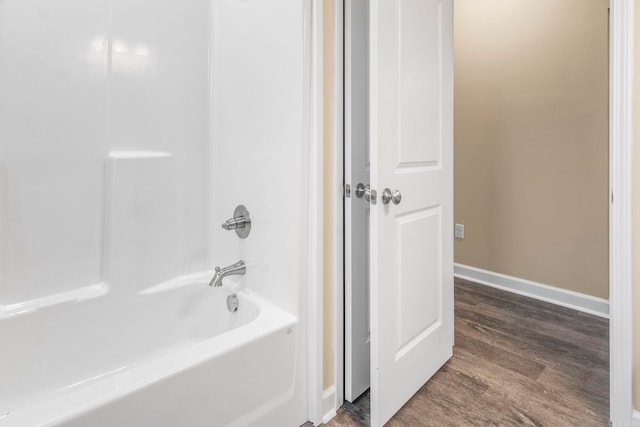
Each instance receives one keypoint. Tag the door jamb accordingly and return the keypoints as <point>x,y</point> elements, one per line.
<point>313,115</point>
<point>339,191</point>
<point>620,212</point>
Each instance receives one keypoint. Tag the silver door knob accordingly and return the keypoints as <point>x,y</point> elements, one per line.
<point>389,195</point>
<point>360,189</point>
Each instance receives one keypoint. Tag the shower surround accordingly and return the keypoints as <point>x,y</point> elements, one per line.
<point>129,131</point>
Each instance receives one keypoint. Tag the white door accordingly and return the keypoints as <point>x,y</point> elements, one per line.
<point>411,243</point>
<point>357,164</point>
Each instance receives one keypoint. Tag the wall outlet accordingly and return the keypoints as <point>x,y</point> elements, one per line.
<point>459,233</point>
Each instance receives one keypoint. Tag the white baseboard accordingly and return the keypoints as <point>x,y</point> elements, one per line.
<point>577,301</point>
<point>329,404</point>
<point>635,422</point>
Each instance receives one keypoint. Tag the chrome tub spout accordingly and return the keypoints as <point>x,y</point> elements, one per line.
<point>237,269</point>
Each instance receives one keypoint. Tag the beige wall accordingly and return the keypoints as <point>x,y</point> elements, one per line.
<point>636,210</point>
<point>328,25</point>
<point>531,140</point>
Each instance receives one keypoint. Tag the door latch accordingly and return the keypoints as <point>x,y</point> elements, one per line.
<point>374,197</point>
<point>370,195</point>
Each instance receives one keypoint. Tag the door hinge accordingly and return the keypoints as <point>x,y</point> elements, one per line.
<point>347,191</point>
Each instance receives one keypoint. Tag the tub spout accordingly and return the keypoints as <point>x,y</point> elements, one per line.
<point>237,269</point>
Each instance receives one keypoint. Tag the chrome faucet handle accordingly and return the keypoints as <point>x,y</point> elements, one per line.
<point>234,223</point>
<point>241,222</point>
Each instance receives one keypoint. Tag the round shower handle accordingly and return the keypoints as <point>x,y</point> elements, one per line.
<point>389,195</point>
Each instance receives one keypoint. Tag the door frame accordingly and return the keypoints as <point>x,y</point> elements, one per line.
<point>338,213</point>
<point>620,212</point>
<point>620,218</point>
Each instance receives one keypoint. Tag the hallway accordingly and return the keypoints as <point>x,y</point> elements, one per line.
<point>517,361</point>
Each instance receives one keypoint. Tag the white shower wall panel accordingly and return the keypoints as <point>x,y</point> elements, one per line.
<point>78,80</point>
<point>142,230</point>
<point>260,141</point>
<point>160,101</point>
<point>52,124</point>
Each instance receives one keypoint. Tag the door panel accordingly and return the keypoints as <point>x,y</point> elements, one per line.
<point>411,247</point>
<point>418,248</point>
<point>420,90</point>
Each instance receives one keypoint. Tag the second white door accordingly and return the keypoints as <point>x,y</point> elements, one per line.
<point>399,220</point>
<point>357,209</point>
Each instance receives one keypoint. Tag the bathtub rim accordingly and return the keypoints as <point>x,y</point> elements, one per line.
<point>79,399</point>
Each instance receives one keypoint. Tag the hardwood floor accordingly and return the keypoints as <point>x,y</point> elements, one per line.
<point>517,361</point>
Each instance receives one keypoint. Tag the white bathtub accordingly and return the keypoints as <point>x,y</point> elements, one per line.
<point>171,355</point>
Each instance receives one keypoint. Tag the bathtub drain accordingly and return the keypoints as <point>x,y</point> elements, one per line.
<point>233,303</point>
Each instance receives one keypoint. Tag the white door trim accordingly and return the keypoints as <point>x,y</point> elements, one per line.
<point>620,222</point>
<point>338,214</point>
<point>321,401</point>
<point>315,238</point>
<point>620,219</point>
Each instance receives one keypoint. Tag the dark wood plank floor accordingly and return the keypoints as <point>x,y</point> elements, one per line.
<point>517,361</point>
